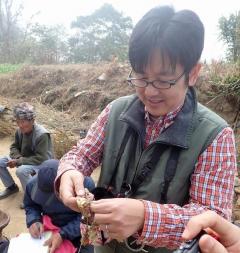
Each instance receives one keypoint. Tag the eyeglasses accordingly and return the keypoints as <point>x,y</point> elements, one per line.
<point>158,84</point>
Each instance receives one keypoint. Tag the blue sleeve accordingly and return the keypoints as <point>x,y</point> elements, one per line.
<point>89,183</point>
<point>71,230</point>
<point>33,211</point>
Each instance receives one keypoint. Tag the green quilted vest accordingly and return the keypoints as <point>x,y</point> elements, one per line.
<point>194,128</point>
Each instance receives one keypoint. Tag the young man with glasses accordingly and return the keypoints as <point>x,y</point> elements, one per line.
<point>171,156</point>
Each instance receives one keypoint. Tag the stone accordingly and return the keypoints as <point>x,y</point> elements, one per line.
<point>236,214</point>
<point>237,189</point>
<point>236,182</point>
<point>238,201</point>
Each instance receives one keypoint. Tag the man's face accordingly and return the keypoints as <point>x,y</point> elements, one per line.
<point>159,102</point>
<point>25,126</point>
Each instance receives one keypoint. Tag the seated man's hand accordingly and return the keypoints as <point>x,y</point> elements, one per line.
<point>12,163</point>
<point>36,229</point>
<point>54,242</point>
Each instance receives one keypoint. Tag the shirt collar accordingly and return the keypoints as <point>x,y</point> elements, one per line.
<point>165,118</point>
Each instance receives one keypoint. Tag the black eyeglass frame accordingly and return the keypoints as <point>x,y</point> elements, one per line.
<point>169,82</point>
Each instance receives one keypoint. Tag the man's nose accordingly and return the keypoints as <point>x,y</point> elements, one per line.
<point>150,90</point>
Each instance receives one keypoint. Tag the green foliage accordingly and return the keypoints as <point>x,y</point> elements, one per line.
<point>230,35</point>
<point>100,36</point>
<point>217,73</point>
<point>225,81</point>
<point>7,68</point>
<point>48,44</point>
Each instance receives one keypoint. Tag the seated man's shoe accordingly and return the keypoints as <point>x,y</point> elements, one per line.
<point>9,191</point>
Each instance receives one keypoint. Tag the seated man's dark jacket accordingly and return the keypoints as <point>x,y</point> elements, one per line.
<point>66,219</point>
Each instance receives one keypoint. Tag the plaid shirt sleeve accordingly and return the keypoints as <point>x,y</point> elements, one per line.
<point>212,186</point>
<point>87,155</point>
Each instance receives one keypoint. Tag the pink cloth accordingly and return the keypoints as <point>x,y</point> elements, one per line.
<point>66,246</point>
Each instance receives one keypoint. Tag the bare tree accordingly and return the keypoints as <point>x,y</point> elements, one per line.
<point>10,32</point>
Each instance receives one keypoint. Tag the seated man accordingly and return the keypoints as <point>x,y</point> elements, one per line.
<point>40,200</point>
<point>32,146</point>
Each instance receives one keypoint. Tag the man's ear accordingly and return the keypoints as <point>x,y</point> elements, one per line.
<point>193,75</point>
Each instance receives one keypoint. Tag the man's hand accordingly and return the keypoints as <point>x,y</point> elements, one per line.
<point>229,234</point>
<point>53,242</point>
<point>12,163</point>
<point>119,217</point>
<point>36,230</point>
<point>71,186</point>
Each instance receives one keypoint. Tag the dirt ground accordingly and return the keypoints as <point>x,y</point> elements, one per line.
<point>11,204</point>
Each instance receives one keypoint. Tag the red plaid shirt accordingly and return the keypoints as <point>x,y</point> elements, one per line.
<point>211,183</point>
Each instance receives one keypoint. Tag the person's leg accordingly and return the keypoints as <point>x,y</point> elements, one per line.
<point>24,173</point>
<point>5,176</point>
<point>7,179</point>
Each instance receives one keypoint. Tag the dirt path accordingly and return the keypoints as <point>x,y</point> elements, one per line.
<point>11,204</point>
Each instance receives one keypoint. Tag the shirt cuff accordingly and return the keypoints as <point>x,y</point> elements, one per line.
<point>152,222</point>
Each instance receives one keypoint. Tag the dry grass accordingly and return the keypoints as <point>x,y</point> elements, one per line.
<point>62,143</point>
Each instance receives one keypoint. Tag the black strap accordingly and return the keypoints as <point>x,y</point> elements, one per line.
<point>122,147</point>
<point>169,172</point>
<point>148,167</point>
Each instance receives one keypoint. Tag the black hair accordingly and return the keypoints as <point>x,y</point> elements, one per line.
<point>177,35</point>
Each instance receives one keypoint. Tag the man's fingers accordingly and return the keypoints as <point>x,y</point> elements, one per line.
<point>80,192</point>
<point>33,230</point>
<point>209,245</point>
<point>71,184</point>
<point>52,249</point>
<point>48,242</point>
<point>41,229</point>
<point>208,219</point>
<point>101,206</point>
<point>103,219</point>
<point>34,234</point>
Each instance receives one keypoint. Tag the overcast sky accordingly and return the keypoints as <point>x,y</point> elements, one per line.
<point>64,11</point>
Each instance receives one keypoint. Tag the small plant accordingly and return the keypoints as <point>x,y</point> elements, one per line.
<point>8,68</point>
